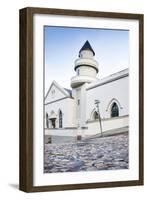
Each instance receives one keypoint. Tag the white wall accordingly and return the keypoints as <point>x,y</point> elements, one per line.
<point>83,105</point>
<point>61,132</point>
<point>86,54</point>
<point>53,97</point>
<point>87,71</point>
<point>93,127</point>
<point>118,89</point>
<point>107,124</point>
<point>67,106</point>
<point>9,84</point>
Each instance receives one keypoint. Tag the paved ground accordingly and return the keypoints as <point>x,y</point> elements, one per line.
<point>105,153</point>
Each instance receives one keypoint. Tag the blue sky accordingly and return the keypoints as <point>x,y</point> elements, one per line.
<point>62,45</point>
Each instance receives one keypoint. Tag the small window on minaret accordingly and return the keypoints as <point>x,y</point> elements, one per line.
<point>78,72</point>
<point>78,101</point>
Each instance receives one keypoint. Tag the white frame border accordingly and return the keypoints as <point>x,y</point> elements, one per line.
<point>132,173</point>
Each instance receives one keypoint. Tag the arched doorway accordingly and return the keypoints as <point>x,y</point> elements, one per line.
<point>52,119</point>
<point>53,122</point>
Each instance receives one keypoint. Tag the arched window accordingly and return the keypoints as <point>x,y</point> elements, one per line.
<point>60,119</point>
<point>114,110</point>
<point>95,115</point>
<point>47,124</point>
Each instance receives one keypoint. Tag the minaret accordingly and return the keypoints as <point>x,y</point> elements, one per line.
<point>85,66</point>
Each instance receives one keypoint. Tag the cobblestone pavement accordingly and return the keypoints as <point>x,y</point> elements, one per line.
<point>105,153</point>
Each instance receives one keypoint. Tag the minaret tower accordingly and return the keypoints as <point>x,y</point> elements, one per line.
<point>85,66</point>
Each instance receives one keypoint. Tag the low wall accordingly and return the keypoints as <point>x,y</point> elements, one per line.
<point>56,139</point>
<point>93,128</point>
<point>61,132</point>
<point>107,124</point>
<point>60,135</point>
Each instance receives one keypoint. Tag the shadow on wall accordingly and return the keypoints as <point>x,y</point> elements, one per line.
<point>14,185</point>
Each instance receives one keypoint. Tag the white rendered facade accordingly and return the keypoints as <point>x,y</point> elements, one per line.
<point>73,112</point>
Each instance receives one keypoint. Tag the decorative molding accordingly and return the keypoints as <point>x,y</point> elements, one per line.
<point>83,65</point>
<point>114,100</point>
<point>108,81</point>
<point>92,112</point>
<point>58,100</point>
<point>106,119</point>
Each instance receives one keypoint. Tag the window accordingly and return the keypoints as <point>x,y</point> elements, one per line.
<point>114,110</point>
<point>78,72</point>
<point>78,101</point>
<point>95,115</point>
<point>47,122</point>
<point>60,119</point>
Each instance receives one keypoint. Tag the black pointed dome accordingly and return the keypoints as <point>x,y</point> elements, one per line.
<point>87,46</point>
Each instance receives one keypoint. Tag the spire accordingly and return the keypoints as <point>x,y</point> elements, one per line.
<point>87,46</point>
<point>86,67</point>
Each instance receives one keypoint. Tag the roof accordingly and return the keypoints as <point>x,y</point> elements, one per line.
<point>69,91</point>
<point>65,91</point>
<point>87,46</point>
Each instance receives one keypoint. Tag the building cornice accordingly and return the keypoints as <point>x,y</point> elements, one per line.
<point>101,82</point>
<point>106,119</point>
<point>58,100</point>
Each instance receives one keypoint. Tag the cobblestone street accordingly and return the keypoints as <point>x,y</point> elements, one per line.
<point>105,153</point>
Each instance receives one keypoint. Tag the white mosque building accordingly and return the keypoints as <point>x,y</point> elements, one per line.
<point>92,105</point>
